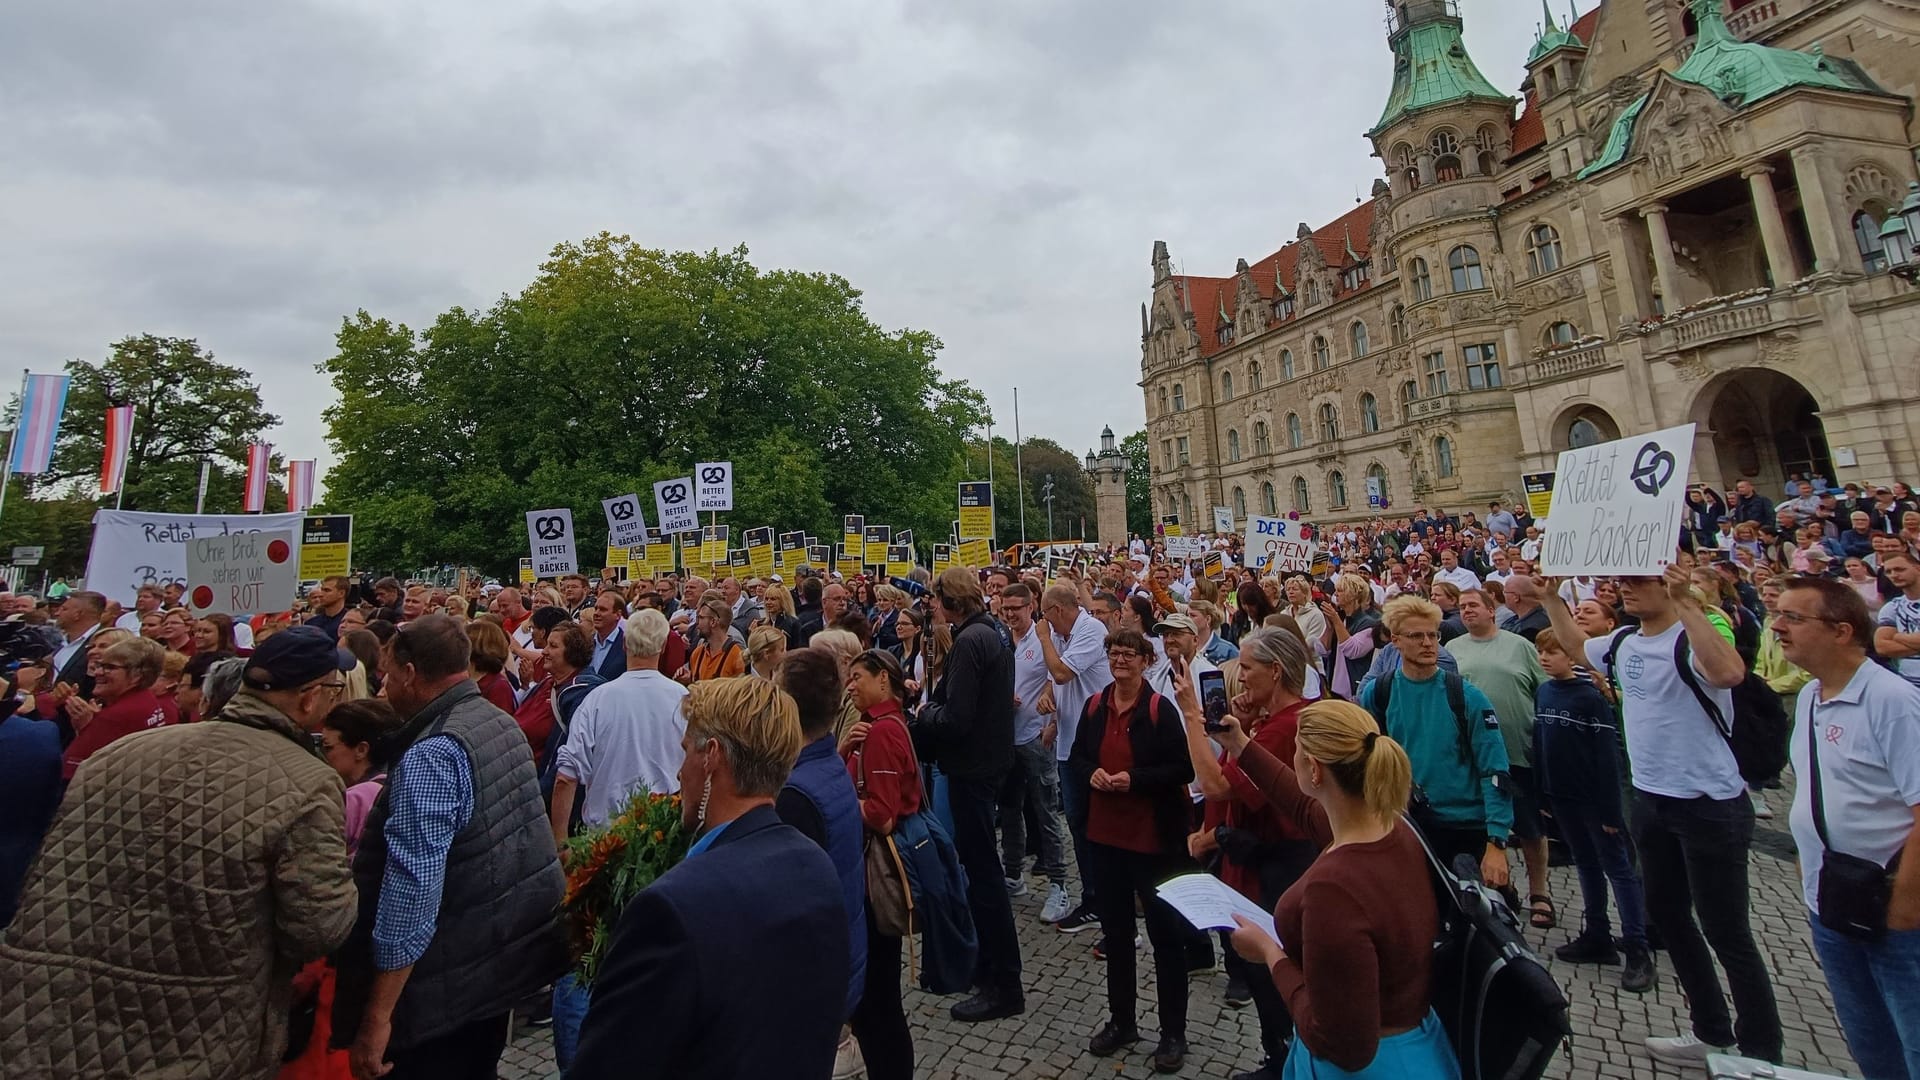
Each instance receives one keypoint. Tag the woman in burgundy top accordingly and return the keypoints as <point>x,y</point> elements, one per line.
<point>489,662</point>
<point>886,774</point>
<point>1131,755</point>
<point>1361,921</point>
<point>1262,852</point>
<point>124,702</point>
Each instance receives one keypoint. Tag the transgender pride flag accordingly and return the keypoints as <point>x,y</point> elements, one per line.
<point>42,401</point>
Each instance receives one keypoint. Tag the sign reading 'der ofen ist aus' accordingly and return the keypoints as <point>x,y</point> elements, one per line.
<point>1617,506</point>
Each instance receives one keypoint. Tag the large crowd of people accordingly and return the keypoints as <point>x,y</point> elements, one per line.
<point>330,842</point>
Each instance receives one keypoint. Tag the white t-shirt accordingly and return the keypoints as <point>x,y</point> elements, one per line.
<point>1030,677</point>
<point>1084,651</point>
<point>1530,549</point>
<point>1674,746</point>
<point>1575,589</point>
<point>625,735</point>
<point>1904,616</point>
<point>1459,577</point>
<point>1869,737</point>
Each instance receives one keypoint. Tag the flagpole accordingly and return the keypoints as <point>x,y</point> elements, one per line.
<point>200,500</point>
<point>1019,471</point>
<point>13,441</point>
<point>995,538</point>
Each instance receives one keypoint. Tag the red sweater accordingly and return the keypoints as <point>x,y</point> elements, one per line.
<point>1247,807</point>
<point>497,689</point>
<point>892,773</point>
<point>137,711</point>
<point>535,717</point>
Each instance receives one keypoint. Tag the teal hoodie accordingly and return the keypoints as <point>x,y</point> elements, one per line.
<point>1420,721</point>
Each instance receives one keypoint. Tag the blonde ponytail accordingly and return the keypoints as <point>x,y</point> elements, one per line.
<point>1363,761</point>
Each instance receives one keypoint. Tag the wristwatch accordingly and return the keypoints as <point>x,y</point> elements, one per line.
<point>1498,841</point>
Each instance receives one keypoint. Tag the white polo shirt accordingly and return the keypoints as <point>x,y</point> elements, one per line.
<point>1030,677</point>
<point>625,736</point>
<point>1869,746</point>
<point>1459,577</point>
<point>1085,652</point>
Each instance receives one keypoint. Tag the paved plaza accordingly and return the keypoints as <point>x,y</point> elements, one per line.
<point>1066,1001</point>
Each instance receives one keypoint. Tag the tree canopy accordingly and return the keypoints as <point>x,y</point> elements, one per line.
<point>1139,483</point>
<point>619,366</point>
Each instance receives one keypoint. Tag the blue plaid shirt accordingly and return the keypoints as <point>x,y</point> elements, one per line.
<point>430,799</point>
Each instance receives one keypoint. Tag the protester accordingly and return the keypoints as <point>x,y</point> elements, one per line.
<point>766,646</point>
<point>609,657</point>
<point>458,880</point>
<point>491,649</point>
<point>716,655</point>
<point>624,737</point>
<point>733,964</point>
<point>29,783</point>
<point>1032,787</point>
<point>123,701</point>
<point>1130,751</point>
<point>1897,636</point>
<point>327,604</point>
<point>131,957</point>
<point>1075,649</point>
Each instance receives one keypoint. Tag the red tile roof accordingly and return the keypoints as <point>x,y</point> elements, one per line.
<point>1530,131</point>
<point>1206,294</point>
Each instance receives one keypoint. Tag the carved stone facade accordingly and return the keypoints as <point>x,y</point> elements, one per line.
<point>1489,306</point>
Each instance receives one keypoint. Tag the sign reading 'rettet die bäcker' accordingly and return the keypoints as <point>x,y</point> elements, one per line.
<point>1618,506</point>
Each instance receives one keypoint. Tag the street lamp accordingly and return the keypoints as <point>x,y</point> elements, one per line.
<point>1046,495</point>
<point>1900,235</point>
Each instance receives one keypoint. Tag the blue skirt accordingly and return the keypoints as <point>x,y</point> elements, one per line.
<point>1421,1054</point>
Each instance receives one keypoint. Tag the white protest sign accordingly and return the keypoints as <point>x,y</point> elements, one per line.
<point>242,573</point>
<point>1617,507</point>
<point>625,525</point>
<point>1186,547</point>
<point>550,535</point>
<point>131,549</point>
<point>716,484</point>
<point>1223,519</point>
<point>673,504</point>
<point>1277,546</point>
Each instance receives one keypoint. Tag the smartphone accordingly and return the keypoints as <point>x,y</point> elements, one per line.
<point>1213,700</point>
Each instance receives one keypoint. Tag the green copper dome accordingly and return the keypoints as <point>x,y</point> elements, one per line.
<point>1431,67</point>
<point>1552,37</point>
<point>1739,73</point>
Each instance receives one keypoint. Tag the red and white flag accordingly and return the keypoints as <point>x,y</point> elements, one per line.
<point>119,439</point>
<point>259,460</point>
<point>299,485</point>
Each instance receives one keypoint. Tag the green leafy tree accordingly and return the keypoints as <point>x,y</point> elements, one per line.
<point>1139,483</point>
<point>619,366</point>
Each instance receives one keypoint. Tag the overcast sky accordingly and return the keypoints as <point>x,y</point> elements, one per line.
<point>993,171</point>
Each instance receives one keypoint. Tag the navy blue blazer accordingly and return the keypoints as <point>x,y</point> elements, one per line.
<point>732,966</point>
<point>615,664</point>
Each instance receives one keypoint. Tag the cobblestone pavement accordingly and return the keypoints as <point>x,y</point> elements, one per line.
<point>1066,1001</point>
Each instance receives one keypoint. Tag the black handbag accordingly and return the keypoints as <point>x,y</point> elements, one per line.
<point>1853,892</point>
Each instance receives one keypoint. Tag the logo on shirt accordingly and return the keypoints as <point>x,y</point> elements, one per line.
<point>1834,731</point>
<point>1635,669</point>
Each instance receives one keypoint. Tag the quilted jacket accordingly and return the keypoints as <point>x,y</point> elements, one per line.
<point>190,872</point>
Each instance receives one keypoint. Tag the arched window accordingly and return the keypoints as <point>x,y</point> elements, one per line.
<point>1322,355</point>
<point>1268,505</point>
<point>1866,237</point>
<point>1163,401</point>
<point>1173,505</point>
<point>1419,284</point>
<point>1295,437</point>
<point>1443,457</point>
<point>1337,489</point>
<point>1286,363</point>
<point>1488,142</point>
<point>1329,422</point>
<point>1398,323</point>
<point>1464,263</point>
<point>1233,446</point>
<point>1409,393</point>
<point>1377,482</point>
<point>1239,505</point>
<point>1179,397</point>
<point>1253,376</point>
<point>1403,159</point>
<point>1359,335</point>
<point>1562,333</point>
<point>1583,433</point>
<point>1446,155</point>
<point>1261,444</point>
<point>1369,414</point>
<point>1226,386</point>
<point>1543,250</point>
<point>1186,507</point>
<point>1302,497</point>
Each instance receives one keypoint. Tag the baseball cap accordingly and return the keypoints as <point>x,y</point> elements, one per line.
<point>1178,623</point>
<point>295,657</point>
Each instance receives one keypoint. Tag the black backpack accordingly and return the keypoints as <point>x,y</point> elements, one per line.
<point>1505,1015</point>
<point>1760,728</point>
<point>1456,690</point>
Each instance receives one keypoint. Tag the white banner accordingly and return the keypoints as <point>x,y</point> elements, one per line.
<point>1186,547</point>
<point>1223,520</point>
<point>673,505</point>
<point>716,485</point>
<point>1275,546</point>
<point>625,524</point>
<point>550,535</point>
<point>131,549</point>
<point>1617,507</point>
<point>244,574</point>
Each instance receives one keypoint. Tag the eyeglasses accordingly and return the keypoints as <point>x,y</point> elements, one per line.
<point>1423,635</point>
<point>1127,655</point>
<point>1794,618</point>
<point>112,667</point>
<point>333,688</point>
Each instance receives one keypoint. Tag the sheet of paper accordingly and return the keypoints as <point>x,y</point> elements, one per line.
<point>1209,904</point>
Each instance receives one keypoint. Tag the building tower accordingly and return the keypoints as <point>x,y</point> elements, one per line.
<point>1108,472</point>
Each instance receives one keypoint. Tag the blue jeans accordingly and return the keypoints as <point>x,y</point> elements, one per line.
<point>1876,994</point>
<point>1073,799</point>
<point>1600,859</point>
<point>569,1012</point>
<point>1032,784</point>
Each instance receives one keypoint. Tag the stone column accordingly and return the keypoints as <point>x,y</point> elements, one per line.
<point>1425,164</point>
<point>1829,254</point>
<point>1665,269</point>
<point>1773,230</point>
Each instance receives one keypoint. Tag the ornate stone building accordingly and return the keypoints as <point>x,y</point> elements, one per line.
<point>1677,221</point>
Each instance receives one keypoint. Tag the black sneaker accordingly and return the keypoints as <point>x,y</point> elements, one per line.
<point>1639,973</point>
<point>1112,1038</point>
<point>1170,1056</point>
<point>1589,949</point>
<point>1080,918</point>
<point>988,1005</point>
<point>1238,996</point>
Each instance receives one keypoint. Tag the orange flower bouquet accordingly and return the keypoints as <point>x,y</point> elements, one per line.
<point>608,866</point>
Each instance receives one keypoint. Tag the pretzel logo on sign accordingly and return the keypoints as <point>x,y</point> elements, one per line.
<point>622,510</point>
<point>713,474</point>
<point>549,528</point>
<point>673,494</point>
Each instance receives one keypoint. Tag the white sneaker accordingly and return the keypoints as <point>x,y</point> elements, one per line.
<point>847,1062</point>
<point>1760,808</point>
<point>1056,907</point>
<point>1016,886</point>
<point>1683,1050</point>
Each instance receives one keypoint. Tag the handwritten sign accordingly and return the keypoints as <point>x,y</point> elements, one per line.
<point>1617,506</point>
<point>242,574</point>
<point>1223,519</point>
<point>131,549</point>
<point>1277,545</point>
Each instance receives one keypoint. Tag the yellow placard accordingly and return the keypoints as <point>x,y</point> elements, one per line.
<point>899,560</point>
<point>326,546</point>
<point>713,544</point>
<point>526,572</point>
<point>619,558</point>
<point>976,554</point>
<point>660,557</point>
<point>1539,488</point>
<point>976,510</point>
<point>877,539</point>
<point>853,532</point>
<point>942,558</point>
